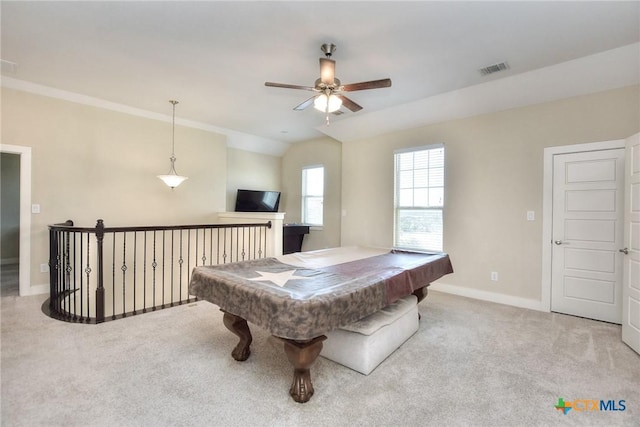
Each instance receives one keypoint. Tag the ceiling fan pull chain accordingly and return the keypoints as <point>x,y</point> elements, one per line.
<point>327,107</point>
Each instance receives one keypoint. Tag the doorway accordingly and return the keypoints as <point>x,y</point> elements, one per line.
<point>9,223</point>
<point>582,230</point>
<point>24,243</point>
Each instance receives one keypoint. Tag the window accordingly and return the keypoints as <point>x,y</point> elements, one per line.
<point>419,198</point>
<point>312,195</point>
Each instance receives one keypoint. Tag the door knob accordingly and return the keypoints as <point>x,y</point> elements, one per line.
<point>624,251</point>
<point>557,242</point>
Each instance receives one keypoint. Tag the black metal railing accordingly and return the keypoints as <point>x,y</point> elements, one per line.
<point>105,273</point>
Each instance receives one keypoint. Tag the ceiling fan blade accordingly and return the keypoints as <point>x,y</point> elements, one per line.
<point>373,84</point>
<point>287,86</point>
<point>346,102</point>
<point>327,70</point>
<point>305,104</point>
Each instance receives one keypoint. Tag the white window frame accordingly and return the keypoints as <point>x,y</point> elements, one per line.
<point>399,240</point>
<point>306,197</point>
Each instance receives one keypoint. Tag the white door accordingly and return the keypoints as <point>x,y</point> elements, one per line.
<point>631,282</point>
<point>588,207</point>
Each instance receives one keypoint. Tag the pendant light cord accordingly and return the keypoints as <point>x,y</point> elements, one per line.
<point>173,131</point>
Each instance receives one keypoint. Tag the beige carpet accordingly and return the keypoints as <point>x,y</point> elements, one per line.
<point>471,363</point>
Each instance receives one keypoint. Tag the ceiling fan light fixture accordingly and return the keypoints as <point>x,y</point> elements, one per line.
<point>328,85</point>
<point>327,104</point>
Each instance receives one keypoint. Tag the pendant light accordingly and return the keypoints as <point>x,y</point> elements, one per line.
<point>172,179</point>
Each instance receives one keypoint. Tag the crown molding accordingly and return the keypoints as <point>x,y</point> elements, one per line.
<point>235,139</point>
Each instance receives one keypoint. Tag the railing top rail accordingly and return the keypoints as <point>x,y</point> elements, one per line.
<point>65,227</point>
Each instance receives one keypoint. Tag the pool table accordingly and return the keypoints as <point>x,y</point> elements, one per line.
<point>300,297</point>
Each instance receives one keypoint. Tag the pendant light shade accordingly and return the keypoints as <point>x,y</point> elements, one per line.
<point>172,179</point>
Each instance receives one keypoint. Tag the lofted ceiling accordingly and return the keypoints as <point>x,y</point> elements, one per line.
<point>215,56</point>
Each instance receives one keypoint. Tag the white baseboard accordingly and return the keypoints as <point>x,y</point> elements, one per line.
<point>37,290</point>
<point>488,296</point>
<point>5,261</point>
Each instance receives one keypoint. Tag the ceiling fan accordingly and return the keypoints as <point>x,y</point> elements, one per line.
<point>329,89</point>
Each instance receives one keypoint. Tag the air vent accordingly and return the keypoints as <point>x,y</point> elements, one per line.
<point>494,68</point>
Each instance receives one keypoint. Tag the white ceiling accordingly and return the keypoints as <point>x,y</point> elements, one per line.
<point>214,57</point>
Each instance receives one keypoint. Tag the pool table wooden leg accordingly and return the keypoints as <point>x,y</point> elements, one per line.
<point>302,355</point>
<point>421,293</point>
<point>239,327</point>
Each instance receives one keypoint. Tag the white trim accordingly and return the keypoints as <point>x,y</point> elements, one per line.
<point>235,139</point>
<point>478,294</point>
<point>37,290</point>
<point>547,205</point>
<point>24,275</point>
<point>419,148</point>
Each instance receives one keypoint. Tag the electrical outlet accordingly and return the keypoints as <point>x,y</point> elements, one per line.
<point>44,268</point>
<point>494,276</point>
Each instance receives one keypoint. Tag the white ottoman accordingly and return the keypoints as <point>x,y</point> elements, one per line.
<point>364,344</point>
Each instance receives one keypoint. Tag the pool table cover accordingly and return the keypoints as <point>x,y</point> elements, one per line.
<point>303,295</point>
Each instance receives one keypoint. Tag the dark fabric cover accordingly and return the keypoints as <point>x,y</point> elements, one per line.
<point>301,304</point>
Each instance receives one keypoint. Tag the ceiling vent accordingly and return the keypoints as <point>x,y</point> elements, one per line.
<point>494,68</point>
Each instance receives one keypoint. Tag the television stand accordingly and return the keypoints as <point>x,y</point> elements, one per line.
<point>292,236</point>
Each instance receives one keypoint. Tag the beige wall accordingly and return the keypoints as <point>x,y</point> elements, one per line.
<point>326,152</point>
<point>10,208</point>
<point>90,163</point>
<point>494,166</point>
<point>251,171</point>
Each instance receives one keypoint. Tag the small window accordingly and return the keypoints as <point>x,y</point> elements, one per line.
<point>419,198</point>
<point>313,195</point>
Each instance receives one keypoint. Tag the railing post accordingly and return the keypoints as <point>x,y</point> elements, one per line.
<point>100,288</point>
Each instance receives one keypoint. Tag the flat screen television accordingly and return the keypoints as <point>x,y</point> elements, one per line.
<point>257,201</point>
